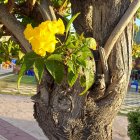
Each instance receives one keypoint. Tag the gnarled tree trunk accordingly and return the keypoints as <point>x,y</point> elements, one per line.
<point>59,110</point>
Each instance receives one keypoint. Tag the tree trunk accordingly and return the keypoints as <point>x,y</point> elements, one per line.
<point>59,110</point>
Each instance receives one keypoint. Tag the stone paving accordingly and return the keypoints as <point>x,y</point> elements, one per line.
<point>17,122</point>
<point>16,114</point>
<point>11,132</point>
<point>131,102</point>
<point>18,111</point>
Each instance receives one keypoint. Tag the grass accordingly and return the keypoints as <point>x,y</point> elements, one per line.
<point>25,80</point>
<point>8,85</point>
<point>16,93</point>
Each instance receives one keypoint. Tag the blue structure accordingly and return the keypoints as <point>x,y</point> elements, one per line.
<point>13,61</point>
<point>135,83</point>
<point>29,73</point>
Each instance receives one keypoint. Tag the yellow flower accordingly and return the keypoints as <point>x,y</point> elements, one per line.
<point>28,32</point>
<point>60,26</point>
<point>50,47</point>
<point>42,37</point>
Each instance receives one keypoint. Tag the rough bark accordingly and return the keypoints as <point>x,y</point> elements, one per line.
<point>59,110</point>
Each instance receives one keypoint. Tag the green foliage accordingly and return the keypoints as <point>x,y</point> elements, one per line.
<point>138,14</point>
<point>79,61</point>
<point>63,7</point>
<point>39,68</point>
<point>134,125</point>
<point>8,50</point>
<point>57,57</point>
<point>70,22</point>
<point>72,57</point>
<point>89,76</point>
<point>72,77</point>
<point>57,3</point>
<point>56,69</point>
<point>3,1</point>
<point>76,58</point>
<point>28,61</point>
<point>136,50</point>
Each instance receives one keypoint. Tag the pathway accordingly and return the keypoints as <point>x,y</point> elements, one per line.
<point>17,121</point>
<point>10,132</point>
<point>131,102</point>
<point>18,110</point>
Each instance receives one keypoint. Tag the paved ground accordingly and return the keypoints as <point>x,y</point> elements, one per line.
<point>3,71</point>
<point>8,131</point>
<point>17,122</point>
<point>17,110</point>
<point>131,102</point>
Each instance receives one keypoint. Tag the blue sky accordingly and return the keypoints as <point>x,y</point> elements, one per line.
<point>138,22</point>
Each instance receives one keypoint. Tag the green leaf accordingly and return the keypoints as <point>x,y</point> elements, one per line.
<point>70,42</point>
<point>57,57</point>
<point>31,56</point>
<point>81,62</point>
<point>71,46</point>
<point>56,69</point>
<point>84,53</point>
<point>24,67</point>
<point>89,75</point>
<point>71,38</point>
<point>83,80</point>
<point>70,22</point>
<point>71,66</point>
<point>72,77</point>
<point>91,43</point>
<point>39,68</point>
<point>20,55</point>
<point>28,61</point>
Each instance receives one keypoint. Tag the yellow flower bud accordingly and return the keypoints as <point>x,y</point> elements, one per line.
<point>42,37</point>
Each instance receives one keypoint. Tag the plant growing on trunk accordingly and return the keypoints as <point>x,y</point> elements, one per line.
<point>59,110</point>
<point>72,56</point>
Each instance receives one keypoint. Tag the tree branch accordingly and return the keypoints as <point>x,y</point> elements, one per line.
<point>43,8</point>
<point>14,27</point>
<point>126,18</point>
<point>46,10</point>
<point>104,64</point>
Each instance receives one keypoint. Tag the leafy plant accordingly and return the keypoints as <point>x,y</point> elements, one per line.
<point>71,56</point>
<point>138,14</point>
<point>3,1</point>
<point>136,50</point>
<point>62,7</point>
<point>8,50</point>
<point>134,125</point>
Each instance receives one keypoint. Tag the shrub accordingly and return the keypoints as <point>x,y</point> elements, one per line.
<point>134,125</point>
